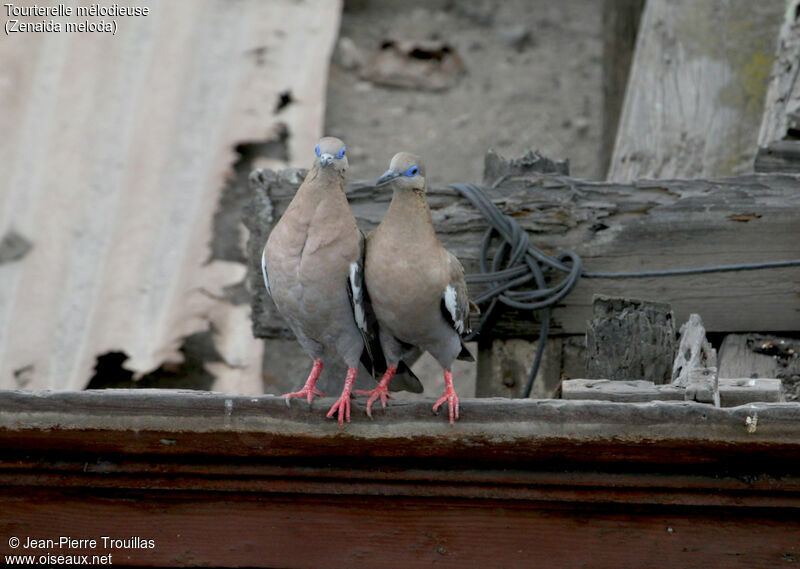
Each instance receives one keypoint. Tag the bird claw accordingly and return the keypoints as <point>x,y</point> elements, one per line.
<point>380,391</point>
<point>343,406</point>
<point>307,392</point>
<point>452,403</point>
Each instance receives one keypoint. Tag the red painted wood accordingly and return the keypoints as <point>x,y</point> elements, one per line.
<point>226,481</point>
<point>375,532</point>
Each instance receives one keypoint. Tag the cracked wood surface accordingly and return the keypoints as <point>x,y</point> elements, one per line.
<point>646,225</point>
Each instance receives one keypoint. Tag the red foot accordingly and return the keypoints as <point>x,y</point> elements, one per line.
<point>342,405</point>
<point>449,396</point>
<point>381,391</point>
<point>308,391</point>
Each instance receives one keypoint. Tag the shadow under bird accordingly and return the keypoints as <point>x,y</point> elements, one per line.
<point>416,286</point>
<point>313,268</point>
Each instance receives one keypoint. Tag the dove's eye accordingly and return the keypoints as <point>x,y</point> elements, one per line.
<point>317,150</point>
<point>411,172</point>
<point>341,153</point>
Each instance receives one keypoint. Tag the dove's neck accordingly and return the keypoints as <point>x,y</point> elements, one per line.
<point>325,178</point>
<point>322,185</point>
<point>320,190</point>
<point>410,213</point>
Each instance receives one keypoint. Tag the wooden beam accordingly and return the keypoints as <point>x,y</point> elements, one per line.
<point>646,225</point>
<point>696,89</point>
<point>164,422</point>
<point>597,483</point>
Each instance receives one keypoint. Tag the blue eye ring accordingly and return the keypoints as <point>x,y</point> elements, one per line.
<point>341,153</point>
<point>412,171</point>
<point>317,150</point>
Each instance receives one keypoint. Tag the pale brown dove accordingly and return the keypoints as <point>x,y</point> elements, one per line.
<point>416,286</point>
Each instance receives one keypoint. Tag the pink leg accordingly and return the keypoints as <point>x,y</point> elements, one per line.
<point>449,396</point>
<point>343,403</point>
<point>308,391</point>
<point>381,391</point>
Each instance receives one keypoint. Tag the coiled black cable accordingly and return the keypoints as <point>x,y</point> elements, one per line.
<point>516,263</point>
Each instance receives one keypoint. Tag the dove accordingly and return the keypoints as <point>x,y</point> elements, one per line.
<point>313,268</point>
<point>416,287</point>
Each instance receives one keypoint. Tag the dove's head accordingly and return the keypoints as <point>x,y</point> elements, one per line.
<point>330,154</point>
<point>406,172</point>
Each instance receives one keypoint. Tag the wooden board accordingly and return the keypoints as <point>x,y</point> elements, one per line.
<point>631,391</point>
<point>647,225</point>
<point>696,89</point>
<point>236,481</point>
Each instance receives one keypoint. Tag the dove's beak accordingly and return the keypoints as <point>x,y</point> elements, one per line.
<point>387,177</point>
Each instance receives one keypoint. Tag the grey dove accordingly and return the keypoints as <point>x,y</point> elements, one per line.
<point>312,265</point>
<point>416,286</point>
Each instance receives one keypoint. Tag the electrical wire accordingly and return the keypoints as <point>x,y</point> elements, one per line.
<point>517,263</point>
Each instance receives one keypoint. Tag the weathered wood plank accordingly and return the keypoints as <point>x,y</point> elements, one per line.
<point>665,224</point>
<point>163,422</point>
<point>630,339</point>
<point>732,392</point>
<point>778,144</point>
<point>696,89</point>
<point>632,391</point>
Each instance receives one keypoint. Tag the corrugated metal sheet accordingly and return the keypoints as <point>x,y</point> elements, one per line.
<point>115,149</point>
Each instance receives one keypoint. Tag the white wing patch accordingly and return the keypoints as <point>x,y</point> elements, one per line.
<point>264,270</point>
<point>451,303</point>
<point>355,287</point>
